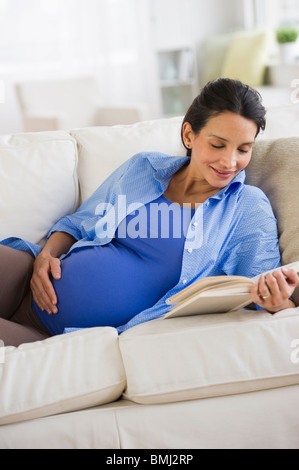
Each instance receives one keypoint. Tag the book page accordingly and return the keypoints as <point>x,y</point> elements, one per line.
<point>210,283</point>
<point>205,304</point>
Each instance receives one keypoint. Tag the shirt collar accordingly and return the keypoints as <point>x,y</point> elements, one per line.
<point>166,166</point>
<point>237,181</point>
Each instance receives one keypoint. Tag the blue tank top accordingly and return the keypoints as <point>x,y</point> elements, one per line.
<point>108,285</point>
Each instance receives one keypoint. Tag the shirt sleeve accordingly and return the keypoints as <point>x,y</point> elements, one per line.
<point>253,246</point>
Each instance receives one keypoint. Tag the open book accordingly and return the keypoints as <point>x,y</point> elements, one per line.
<point>219,294</point>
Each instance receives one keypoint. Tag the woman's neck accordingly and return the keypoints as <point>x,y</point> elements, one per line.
<point>185,187</point>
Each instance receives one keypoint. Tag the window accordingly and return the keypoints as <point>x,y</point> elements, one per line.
<point>270,13</point>
<point>109,39</point>
<point>281,12</point>
<point>69,31</point>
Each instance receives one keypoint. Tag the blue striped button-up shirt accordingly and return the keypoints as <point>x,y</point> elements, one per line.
<point>234,232</point>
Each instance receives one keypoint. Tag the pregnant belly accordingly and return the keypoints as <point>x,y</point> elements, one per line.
<point>102,286</point>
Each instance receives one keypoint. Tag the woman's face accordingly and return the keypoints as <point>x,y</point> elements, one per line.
<point>222,149</point>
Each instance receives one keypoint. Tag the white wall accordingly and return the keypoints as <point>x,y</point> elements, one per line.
<point>191,21</point>
<point>163,24</point>
<point>179,21</point>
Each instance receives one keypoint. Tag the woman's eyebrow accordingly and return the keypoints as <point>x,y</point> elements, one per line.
<point>225,140</point>
<point>218,137</point>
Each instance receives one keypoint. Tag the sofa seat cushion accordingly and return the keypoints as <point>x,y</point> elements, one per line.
<point>64,373</point>
<point>38,174</point>
<point>210,355</point>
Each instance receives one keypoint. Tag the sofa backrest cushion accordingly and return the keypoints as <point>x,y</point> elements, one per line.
<point>38,183</point>
<point>103,149</point>
<point>274,168</point>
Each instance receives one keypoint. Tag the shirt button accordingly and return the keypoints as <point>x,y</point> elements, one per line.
<point>190,250</point>
<point>195,224</point>
<point>184,281</point>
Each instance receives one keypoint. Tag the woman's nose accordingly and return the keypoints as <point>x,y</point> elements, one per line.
<point>229,160</point>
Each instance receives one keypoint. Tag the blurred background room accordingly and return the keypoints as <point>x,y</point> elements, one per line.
<point>66,64</point>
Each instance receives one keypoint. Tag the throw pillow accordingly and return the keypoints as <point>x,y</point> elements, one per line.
<point>246,58</point>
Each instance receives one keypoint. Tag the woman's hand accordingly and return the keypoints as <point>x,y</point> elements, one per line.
<point>272,291</point>
<point>47,264</point>
<point>42,288</point>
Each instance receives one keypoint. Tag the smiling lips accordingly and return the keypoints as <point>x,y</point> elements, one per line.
<point>222,173</point>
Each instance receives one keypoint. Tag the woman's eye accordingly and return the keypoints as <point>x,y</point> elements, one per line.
<point>243,151</point>
<point>217,146</point>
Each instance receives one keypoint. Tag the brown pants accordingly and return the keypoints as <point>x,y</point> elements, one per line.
<point>18,323</point>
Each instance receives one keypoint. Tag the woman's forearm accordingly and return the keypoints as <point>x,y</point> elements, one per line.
<point>58,244</point>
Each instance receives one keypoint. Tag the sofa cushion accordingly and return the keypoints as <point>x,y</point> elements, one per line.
<point>274,168</point>
<point>38,183</point>
<point>209,355</point>
<point>103,149</point>
<point>61,374</point>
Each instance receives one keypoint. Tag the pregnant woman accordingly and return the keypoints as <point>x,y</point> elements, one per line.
<point>156,225</point>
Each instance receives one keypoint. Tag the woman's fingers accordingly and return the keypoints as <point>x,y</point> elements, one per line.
<point>263,289</point>
<point>278,288</point>
<point>43,293</point>
<point>272,291</point>
<point>55,268</point>
<point>291,276</point>
<point>43,302</point>
<point>41,285</point>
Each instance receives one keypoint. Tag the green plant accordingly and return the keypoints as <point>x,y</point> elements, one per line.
<point>284,35</point>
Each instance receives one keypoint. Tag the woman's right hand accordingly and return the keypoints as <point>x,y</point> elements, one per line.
<point>41,286</point>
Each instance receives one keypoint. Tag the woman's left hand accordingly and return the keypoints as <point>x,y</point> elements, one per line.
<point>272,291</point>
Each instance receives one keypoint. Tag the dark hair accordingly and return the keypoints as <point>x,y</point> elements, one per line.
<point>224,95</point>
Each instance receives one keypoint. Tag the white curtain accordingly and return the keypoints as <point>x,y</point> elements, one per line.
<point>270,13</point>
<point>281,12</point>
<point>106,38</point>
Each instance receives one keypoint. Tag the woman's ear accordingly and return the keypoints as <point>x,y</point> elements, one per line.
<point>187,135</point>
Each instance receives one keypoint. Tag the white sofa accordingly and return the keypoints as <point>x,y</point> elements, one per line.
<point>203,382</point>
